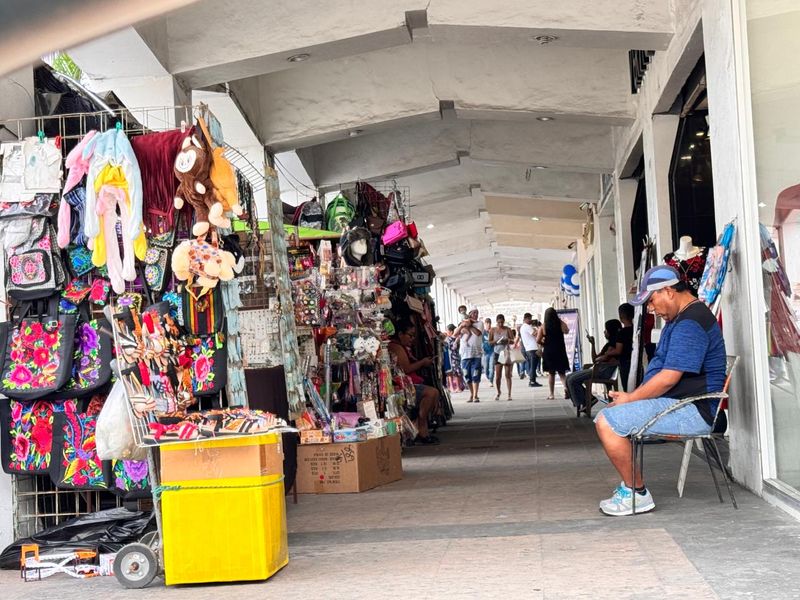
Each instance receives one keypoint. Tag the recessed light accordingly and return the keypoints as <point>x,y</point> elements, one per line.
<point>691,146</point>
<point>545,119</point>
<point>686,157</point>
<point>431,225</point>
<point>535,219</point>
<point>761,205</point>
<point>538,167</point>
<point>356,132</point>
<point>296,58</point>
<point>545,39</point>
<point>700,133</point>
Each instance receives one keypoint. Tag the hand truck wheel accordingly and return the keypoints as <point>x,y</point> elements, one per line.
<point>135,566</point>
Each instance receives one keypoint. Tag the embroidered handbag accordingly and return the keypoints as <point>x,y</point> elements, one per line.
<point>75,464</point>
<point>34,269</point>
<point>92,354</point>
<point>129,478</point>
<point>27,434</point>
<point>38,353</point>
<point>209,363</point>
<point>156,260</point>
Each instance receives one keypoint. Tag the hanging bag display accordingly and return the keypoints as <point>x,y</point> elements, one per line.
<point>39,352</point>
<point>26,434</point>
<point>129,479</point>
<point>156,260</point>
<point>206,350</point>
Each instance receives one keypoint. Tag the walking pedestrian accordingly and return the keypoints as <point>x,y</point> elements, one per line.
<point>530,347</point>
<point>554,350</point>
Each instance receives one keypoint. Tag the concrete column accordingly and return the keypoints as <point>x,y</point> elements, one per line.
<point>658,135</point>
<point>606,271</point>
<point>623,209</point>
<point>16,102</point>
<point>735,193</point>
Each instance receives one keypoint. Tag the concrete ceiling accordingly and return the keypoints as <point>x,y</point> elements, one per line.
<point>463,106</point>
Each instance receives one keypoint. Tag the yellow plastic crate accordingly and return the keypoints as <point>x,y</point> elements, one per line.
<point>224,529</point>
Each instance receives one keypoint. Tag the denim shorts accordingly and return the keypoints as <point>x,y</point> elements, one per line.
<point>629,417</point>
<point>472,369</point>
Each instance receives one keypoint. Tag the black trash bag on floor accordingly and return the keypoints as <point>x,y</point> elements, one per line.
<point>105,531</point>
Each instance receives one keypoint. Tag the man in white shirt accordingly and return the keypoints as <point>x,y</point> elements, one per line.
<point>529,345</point>
<point>470,348</point>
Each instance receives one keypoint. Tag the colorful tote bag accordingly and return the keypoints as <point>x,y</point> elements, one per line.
<point>203,314</point>
<point>27,434</point>
<point>129,478</point>
<point>91,362</point>
<point>38,353</point>
<point>75,464</point>
<point>209,363</point>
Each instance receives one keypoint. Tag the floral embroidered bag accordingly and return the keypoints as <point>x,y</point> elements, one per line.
<point>209,364</point>
<point>27,434</point>
<point>92,354</point>
<point>129,479</point>
<point>75,464</point>
<point>38,353</point>
<point>34,268</point>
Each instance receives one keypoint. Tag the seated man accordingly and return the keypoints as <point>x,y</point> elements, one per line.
<point>603,366</point>
<point>689,360</point>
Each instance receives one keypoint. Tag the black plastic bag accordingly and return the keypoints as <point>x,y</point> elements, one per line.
<point>105,531</point>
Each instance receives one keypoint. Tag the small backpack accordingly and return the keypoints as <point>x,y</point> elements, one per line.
<point>310,214</point>
<point>339,213</point>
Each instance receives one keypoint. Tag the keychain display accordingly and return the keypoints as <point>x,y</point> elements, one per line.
<point>306,296</point>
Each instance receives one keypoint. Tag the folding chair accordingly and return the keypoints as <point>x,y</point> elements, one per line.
<point>610,383</point>
<point>709,442</point>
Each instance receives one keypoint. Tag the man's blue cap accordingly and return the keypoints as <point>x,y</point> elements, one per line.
<point>656,278</point>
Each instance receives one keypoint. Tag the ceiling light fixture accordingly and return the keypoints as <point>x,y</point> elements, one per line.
<point>686,157</point>
<point>356,132</point>
<point>431,225</point>
<point>535,219</point>
<point>700,133</point>
<point>761,205</point>
<point>296,58</point>
<point>545,119</point>
<point>545,39</point>
<point>538,167</point>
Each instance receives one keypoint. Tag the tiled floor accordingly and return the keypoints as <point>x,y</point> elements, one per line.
<point>506,507</point>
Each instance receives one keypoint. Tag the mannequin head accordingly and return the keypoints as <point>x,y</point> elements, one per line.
<point>686,248</point>
<point>358,249</point>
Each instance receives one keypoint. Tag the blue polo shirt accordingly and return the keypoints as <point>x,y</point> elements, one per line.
<point>692,343</point>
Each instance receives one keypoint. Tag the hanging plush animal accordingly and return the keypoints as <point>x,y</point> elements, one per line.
<point>192,168</point>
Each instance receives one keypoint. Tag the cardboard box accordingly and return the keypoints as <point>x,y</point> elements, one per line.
<point>222,458</point>
<point>315,436</point>
<point>345,468</point>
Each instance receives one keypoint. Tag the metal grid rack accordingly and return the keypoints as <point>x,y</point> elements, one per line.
<point>39,504</point>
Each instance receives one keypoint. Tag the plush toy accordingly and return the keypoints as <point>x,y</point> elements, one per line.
<point>192,168</point>
<point>202,263</point>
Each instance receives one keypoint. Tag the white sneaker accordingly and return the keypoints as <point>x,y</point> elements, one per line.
<point>621,503</point>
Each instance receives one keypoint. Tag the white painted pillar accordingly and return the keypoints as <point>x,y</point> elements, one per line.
<point>623,210</point>
<point>16,101</point>
<point>606,272</point>
<point>735,193</point>
<point>658,136</point>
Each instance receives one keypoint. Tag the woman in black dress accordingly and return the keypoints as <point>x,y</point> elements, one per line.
<point>554,352</point>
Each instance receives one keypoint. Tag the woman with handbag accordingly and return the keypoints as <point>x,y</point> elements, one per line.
<point>550,338</point>
<point>501,338</point>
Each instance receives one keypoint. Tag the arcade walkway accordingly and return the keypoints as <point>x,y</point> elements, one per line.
<point>506,508</point>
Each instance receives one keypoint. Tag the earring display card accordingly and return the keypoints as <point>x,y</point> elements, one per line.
<point>260,337</point>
